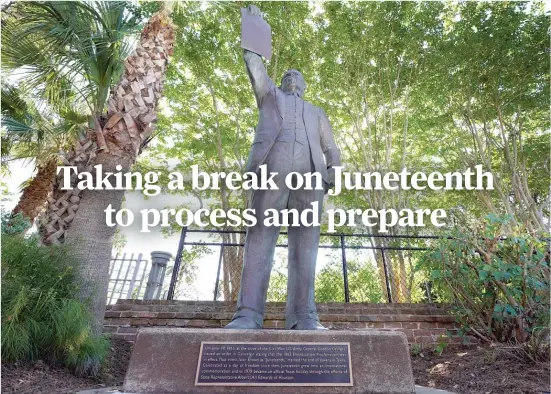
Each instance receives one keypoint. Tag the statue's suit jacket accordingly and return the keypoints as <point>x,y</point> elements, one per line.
<point>271,104</point>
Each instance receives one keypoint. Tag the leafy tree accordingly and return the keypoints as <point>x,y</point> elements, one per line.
<point>394,79</point>
<point>492,58</point>
<point>394,102</point>
<point>363,283</point>
<point>431,86</point>
<point>277,289</point>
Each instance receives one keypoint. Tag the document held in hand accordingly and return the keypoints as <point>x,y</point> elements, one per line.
<point>256,34</point>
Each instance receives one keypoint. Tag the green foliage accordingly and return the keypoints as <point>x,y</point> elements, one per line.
<point>73,342</point>
<point>36,129</point>
<point>440,346</point>
<point>14,224</point>
<point>41,319</point>
<point>415,349</point>
<point>62,47</point>
<point>363,283</point>
<point>497,275</point>
<point>432,86</point>
<point>537,348</point>
<point>188,270</point>
<point>277,290</point>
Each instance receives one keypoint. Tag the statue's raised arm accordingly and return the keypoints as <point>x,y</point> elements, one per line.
<point>255,40</point>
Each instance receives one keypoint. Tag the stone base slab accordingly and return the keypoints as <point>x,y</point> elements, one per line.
<point>164,360</point>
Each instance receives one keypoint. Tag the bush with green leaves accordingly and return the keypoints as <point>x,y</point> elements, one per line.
<point>14,224</point>
<point>496,274</point>
<point>41,318</point>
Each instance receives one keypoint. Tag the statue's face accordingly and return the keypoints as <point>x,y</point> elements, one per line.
<point>293,81</point>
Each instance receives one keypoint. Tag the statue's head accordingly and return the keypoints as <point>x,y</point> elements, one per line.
<point>293,81</point>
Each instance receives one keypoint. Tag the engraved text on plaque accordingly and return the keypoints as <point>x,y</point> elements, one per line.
<point>277,364</point>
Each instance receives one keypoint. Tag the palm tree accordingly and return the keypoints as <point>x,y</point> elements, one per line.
<point>37,134</point>
<point>76,47</point>
<point>68,51</point>
<point>84,43</point>
<point>127,129</point>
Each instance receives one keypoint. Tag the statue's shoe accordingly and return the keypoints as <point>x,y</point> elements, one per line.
<point>243,323</point>
<point>308,324</point>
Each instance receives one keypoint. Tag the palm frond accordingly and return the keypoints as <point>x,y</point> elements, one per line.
<point>84,43</point>
<point>31,130</point>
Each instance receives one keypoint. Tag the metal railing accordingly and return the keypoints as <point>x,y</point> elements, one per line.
<point>128,277</point>
<point>386,246</point>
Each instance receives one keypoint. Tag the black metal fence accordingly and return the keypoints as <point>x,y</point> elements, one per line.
<point>395,277</point>
<point>128,276</point>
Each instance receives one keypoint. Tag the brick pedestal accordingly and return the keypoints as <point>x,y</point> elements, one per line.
<point>425,324</point>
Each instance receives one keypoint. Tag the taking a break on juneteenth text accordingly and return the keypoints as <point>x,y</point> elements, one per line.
<point>148,183</point>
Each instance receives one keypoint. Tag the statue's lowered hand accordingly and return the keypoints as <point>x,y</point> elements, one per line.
<point>327,186</point>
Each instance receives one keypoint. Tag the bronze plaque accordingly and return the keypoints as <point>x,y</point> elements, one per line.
<point>274,364</point>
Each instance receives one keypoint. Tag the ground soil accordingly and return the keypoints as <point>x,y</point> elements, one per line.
<point>463,370</point>
<point>40,378</point>
<point>481,370</point>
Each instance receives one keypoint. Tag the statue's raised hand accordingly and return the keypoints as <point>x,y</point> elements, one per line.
<point>256,34</point>
<point>254,10</point>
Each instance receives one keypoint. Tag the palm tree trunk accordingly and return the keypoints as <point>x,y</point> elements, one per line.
<point>63,204</point>
<point>129,125</point>
<point>92,240</point>
<point>35,194</point>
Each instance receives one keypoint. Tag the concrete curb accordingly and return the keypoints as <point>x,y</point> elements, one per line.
<point>115,390</point>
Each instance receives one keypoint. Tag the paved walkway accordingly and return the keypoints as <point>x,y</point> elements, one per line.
<point>428,390</point>
<point>418,390</point>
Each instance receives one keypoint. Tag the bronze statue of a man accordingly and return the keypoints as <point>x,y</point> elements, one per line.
<point>292,136</point>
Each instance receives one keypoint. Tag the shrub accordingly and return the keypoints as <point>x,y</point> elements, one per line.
<point>497,276</point>
<point>441,345</point>
<point>14,224</point>
<point>363,282</point>
<point>415,350</point>
<point>537,348</point>
<point>41,318</point>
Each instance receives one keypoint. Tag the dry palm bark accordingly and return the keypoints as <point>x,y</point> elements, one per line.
<point>131,115</point>
<point>120,137</point>
<point>63,204</point>
<point>34,196</point>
